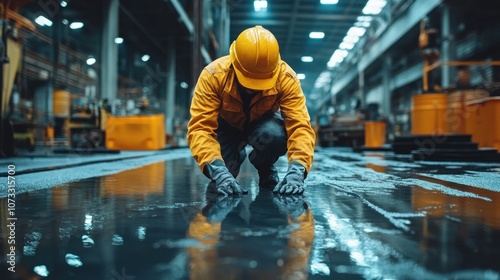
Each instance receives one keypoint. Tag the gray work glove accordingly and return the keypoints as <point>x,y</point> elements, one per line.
<point>293,183</point>
<point>224,181</point>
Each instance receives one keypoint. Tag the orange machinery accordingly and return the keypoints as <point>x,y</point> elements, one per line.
<point>463,111</point>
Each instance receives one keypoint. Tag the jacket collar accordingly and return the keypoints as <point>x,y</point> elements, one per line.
<point>231,86</point>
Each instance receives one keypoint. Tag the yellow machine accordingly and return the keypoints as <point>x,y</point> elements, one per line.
<point>463,111</point>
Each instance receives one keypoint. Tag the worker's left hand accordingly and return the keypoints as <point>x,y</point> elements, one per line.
<point>293,183</point>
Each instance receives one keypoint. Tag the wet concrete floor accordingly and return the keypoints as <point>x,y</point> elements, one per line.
<point>363,216</point>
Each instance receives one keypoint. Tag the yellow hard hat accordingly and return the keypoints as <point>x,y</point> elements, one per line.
<point>255,57</point>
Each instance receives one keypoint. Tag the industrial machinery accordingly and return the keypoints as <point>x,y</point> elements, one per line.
<point>462,124</point>
<point>11,51</point>
<point>342,130</point>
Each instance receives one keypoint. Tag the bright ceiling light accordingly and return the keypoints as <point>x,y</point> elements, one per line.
<point>331,64</point>
<point>356,31</point>
<point>351,39</point>
<point>43,21</point>
<point>364,18</point>
<point>346,46</point>
<point>65,21</point>
<point>91,61</point>
<point>317,35</point>
<point>329,2</point>
<point>337,57</point>
<point>64,4</point>
<point>145,57</point>
<point>118,40</point>
<point>307,59</point>
<point>362,24</point>
<point>184,85</point>
<point>76,25</point>
<point>374,7</point>
<point>301,76</point>
<point>260,5</point>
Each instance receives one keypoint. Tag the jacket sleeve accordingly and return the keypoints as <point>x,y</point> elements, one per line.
<point>201,136</point>
<point>301,136</point>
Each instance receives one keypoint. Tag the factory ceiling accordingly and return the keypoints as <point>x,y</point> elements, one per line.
<point>292,21</point>
<point>155,23</point>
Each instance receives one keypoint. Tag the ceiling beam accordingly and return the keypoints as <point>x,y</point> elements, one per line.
<point>263,22</point>
<point>298,15</point>
<point>189,26</point>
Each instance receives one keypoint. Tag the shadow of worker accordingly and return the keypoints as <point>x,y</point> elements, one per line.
<point>250,251</point>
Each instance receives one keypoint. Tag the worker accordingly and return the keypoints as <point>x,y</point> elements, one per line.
<point>252,97</point>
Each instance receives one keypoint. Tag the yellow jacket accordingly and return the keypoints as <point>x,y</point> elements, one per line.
<point>216,94</point>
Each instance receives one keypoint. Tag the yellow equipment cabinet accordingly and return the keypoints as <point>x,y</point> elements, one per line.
<point>485,121</point>
<point>375,132</point>
<point>428,114</point>
<point>135,132</point>
<point>458,116</point>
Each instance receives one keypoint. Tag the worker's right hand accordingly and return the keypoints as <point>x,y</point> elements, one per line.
<point>293,183</point>
<point>225,183</point>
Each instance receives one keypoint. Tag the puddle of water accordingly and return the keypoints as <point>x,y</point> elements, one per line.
<point>466,209</point>
<point>402,221</point>
<point>157,222</point>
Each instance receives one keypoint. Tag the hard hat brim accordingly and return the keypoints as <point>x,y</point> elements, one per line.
<point>251,82</point>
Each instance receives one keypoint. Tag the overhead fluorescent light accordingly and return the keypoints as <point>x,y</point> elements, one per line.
<point>329,2</point>
<point>43,21</point>
<point>118,40</point>
<point>64,4</point>
<point>364,18</point>
<point>307,59</point>
<point>301,76</point>
<point>346,46</point>
<point>374,7</point>
<point>91,61</point>
<point>362,24</point>
<point>260,5</point>
<point>351,39</point>
<point>76,25</point>
<point>184,85</point>
<point>316,35</point>
<point>356,31</point>
<point>331,64</point>
<point>65,21</point>
<point>145,57</point>
<point>337,57</point>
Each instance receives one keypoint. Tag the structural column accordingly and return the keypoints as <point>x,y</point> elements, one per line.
<point>109,50</point>
<point>361,87</point>
<point>224,21</point>
<point>386,91</point>
<point>448,45</point>
<point>170,89</point>
<point>197,37</point>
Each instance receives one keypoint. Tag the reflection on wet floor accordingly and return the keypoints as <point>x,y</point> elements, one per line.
<point>363,217</point>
